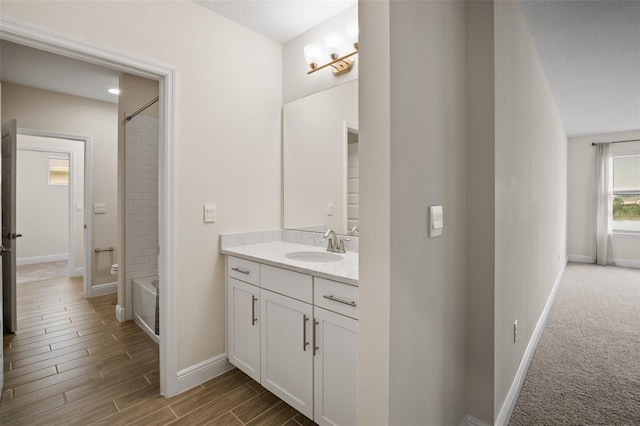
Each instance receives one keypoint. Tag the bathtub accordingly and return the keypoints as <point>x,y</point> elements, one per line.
<point>144,304</point>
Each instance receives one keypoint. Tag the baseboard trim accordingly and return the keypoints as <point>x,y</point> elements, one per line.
<point>78,272</point>
<point>469,420</point>
<point>102,289</point>
<point>120,313</point>
<point>580,259</point>
<point>42,259</point>
<point>627,263</point>
<point>512,397</point>
<point>201,372</point>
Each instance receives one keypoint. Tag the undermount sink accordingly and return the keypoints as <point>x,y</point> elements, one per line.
<point>313,256</point>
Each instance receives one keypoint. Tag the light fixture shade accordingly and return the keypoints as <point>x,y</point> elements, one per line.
<point>333,44</point>
<point>313,53</point>
<point>352,33</point>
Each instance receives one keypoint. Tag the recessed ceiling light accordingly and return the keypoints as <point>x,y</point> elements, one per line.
<point>114,91</point>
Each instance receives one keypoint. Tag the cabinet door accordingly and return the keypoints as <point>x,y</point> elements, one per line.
<point>335,367</point>
<point>244,327</point>
<point>287,353</point>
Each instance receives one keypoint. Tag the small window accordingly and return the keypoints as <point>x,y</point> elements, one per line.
<point>626,193</point>
<point>58,171</point>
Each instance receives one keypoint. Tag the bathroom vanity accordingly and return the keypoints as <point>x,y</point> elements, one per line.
<point>292,324</point>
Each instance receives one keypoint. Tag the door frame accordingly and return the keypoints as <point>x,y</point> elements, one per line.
<point>87,263</point>
<point>347,126</point>
<point>44,39</point>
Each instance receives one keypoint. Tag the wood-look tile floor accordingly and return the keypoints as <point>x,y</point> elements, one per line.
<point>72,362</point>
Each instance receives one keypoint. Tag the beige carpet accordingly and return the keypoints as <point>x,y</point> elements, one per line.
<point>41,271</point>
<point>586,369</point>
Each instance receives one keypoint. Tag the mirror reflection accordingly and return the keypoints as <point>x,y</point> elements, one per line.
<point>320,149</point>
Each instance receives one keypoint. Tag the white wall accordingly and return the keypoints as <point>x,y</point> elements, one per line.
<point>314,156</point>
<point>41,210</point>
<point>375,214</point>
<point>55,112</point>
<point>581,209</point>
<point>30,216</point>
<point>530,192</point>
<point>295,81</point>
<point>428,167</point>
<point>227,108</point>
<point>413,155</point>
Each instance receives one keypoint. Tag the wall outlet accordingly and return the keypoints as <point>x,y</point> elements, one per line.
<point>515,332</point>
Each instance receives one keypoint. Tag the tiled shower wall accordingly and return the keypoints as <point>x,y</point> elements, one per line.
<point>141,199</point>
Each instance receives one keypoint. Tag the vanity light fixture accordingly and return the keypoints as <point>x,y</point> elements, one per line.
<point>333,46</point>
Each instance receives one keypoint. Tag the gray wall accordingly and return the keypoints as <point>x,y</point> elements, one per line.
<point>530,193</point>
<point>480,208</point>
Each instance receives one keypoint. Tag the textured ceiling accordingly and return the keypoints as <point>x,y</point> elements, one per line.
<point>590,52</point>
<point>279,20</point>
<point>43,70</point>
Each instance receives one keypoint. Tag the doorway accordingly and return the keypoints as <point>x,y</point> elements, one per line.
<point>51,208</point>
<point>27,35</point>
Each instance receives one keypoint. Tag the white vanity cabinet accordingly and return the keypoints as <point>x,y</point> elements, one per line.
<point>306,349</point>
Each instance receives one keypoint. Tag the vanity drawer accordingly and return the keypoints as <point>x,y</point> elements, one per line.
<point>288,283</point>
<point>337,297</point>
<point>243,270</point>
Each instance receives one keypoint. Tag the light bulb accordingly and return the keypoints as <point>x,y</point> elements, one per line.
<point>333,44</point>
<point>352,33</point>
<point>313,53</point>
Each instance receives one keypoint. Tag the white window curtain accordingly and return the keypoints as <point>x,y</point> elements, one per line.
<point>605,191</point>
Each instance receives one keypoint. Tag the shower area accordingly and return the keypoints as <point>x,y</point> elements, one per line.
<point>141,246</point>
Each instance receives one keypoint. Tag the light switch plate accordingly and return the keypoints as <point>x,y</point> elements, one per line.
<point>209,213</point>
<point>99,208</point>
<point>436,221</point>
<point>330,209</point>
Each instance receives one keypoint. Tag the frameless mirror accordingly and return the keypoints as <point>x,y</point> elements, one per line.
<point>320,171</point>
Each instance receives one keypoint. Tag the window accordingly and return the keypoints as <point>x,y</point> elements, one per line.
<point>626,193</point>
<point>58,171</point>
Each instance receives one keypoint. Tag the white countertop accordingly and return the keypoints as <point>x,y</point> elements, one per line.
<point>273,253</point>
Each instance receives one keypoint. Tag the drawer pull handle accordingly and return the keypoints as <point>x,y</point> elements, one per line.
<point>305,318</point>
<point>253,310</point>
<point>242,271</point>
<point>335,299</point>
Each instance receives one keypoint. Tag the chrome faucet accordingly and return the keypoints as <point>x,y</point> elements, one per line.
<point>335,244</point>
